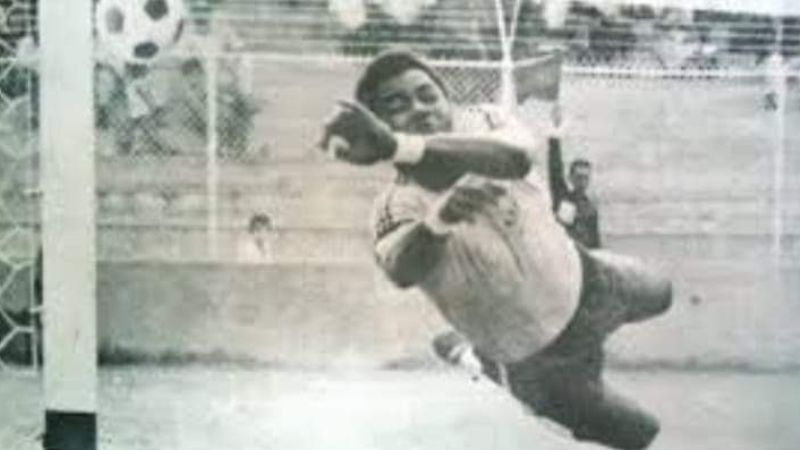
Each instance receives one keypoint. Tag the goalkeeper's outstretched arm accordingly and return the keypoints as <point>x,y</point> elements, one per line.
<point>555,172</point>
<point>408,253</point>
<point>453,155</point>
<point>410,239</point>
<point>506,152</point>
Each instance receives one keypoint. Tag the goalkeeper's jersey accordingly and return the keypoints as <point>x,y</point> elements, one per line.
<point>509,280</point>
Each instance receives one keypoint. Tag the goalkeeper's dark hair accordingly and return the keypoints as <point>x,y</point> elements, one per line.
<point>390,64</point>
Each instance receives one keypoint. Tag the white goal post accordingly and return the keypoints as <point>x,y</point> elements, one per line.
<point>68,225</point>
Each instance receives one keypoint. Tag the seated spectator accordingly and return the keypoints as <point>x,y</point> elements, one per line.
<point>256,247</point>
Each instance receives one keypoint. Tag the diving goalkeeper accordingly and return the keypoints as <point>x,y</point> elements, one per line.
<point>468,220</point>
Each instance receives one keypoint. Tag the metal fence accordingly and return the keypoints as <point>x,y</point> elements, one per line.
<point>619,114</point>
<point>19,305</point>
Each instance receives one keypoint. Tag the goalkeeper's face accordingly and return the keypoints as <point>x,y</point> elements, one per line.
<point>412,102</point>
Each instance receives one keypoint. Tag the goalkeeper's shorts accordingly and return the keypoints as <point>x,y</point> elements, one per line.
<point>563,382</point>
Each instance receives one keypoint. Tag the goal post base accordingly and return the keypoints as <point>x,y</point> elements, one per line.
<point>68,430</point>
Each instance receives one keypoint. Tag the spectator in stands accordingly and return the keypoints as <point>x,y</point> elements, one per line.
<point>257,245</point>
<point>577,211</point>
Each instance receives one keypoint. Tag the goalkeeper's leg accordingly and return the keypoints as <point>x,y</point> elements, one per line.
<point>454,349</point>
<point>564,387</point>
<point>625,289</point>
<point>571,392</point>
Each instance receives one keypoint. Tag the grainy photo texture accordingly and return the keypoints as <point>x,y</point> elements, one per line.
<point>399,224</point>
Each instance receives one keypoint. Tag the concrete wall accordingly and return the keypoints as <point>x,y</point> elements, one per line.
<point>286,314</point>
<point>348,315</point>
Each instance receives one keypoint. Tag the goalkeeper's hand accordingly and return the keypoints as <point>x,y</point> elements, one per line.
<point>356,135</point>
<point>469,196</point>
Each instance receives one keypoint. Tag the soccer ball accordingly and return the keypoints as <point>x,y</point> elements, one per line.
<point>139,31</point>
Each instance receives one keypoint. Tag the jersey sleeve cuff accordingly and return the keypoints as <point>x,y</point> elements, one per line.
<point>434,223</point>
<point>410,148</point>
<point>436,226</point>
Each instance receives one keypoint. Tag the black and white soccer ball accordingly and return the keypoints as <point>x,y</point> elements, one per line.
<point>139,31</point>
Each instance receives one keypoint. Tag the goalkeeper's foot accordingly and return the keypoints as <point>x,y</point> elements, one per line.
<point>455,349</point>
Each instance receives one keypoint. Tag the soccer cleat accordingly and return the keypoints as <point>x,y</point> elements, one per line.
<point>456,350</point>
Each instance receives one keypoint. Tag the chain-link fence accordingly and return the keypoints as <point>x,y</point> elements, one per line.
<point>673,135</point>
<point>204,140</point>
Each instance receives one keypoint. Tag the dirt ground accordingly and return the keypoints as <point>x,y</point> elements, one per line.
<point>149,407</point>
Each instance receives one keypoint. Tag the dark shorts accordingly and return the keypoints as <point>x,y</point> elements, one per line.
<point>564,381</point>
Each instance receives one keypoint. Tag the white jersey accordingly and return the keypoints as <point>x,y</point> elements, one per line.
<point>510,280</point>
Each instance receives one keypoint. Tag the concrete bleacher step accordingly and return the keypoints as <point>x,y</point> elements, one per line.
<point>332,212</point>
<point>319,194</point>
<point>301,195</point>
<point>132,241</point>
<point>151,242</point>
<point>271,25</point>
<point>284,177</point>
<point>707,216</point>
<point>315,173</point>
<point>151,207</point>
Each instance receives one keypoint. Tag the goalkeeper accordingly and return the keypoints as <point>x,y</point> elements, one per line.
<point>468,220</point>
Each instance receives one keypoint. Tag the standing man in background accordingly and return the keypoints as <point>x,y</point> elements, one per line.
<point>256,246</point>
<point>577,211</point>
<point>572,205</point>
